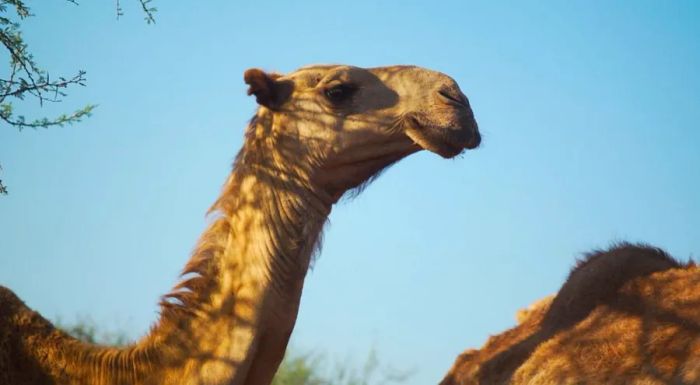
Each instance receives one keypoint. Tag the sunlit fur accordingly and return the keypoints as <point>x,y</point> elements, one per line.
<point>229,319</point>
<point>626,316</point>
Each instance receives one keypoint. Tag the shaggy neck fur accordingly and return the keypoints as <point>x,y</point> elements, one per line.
<point>241,286</point>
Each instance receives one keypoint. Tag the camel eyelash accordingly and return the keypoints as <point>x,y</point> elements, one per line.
<point>339,93</point>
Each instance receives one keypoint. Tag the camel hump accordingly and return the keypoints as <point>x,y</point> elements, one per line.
<point>14,313</point>
<point>598,276</point>
<point>6,293</point>
<point>9,302</point>
<point>626,259</point>
<point>536,308</point>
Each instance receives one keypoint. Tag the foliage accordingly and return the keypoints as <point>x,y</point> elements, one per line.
<point>3,189</point>
<point>309,369</point>
<point>86,330</point>
<point>300,369</point>
<point>27,80</point>
<point>148,10</point>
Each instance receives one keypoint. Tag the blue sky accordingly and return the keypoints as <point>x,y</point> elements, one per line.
<point>589,112</point>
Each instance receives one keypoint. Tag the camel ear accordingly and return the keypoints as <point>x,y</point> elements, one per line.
<point>268,91</point>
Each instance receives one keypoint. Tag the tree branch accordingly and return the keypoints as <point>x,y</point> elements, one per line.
<point>148,10</point>
<point>27,79</point>
<point>3,189</point>
<point>46,85</point>
<point>6,114</point>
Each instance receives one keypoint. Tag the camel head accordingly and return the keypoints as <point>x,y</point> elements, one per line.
<point>344,124</point>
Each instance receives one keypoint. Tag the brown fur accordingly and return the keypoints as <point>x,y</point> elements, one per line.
<point>629,315</point>
<point>229,319</point>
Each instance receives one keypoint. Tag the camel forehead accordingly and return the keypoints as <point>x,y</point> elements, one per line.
<point>310,76</point>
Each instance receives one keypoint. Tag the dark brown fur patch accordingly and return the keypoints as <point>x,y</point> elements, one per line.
<point>598,276</point>
<point>602,281</point>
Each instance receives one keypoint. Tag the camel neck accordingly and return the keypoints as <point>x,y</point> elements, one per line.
<point>242,283</point>
<point>275,220</point>
<point>259,251</point>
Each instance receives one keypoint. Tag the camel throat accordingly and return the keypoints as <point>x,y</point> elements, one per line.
<point>273,229</point>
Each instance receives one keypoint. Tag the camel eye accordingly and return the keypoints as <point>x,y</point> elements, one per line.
<point>339,93</point>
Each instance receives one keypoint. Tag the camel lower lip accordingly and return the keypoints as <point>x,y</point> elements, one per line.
<point>444,146</point>
<point>452,150</point>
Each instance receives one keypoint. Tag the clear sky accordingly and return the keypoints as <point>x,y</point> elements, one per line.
<point>589,112</point>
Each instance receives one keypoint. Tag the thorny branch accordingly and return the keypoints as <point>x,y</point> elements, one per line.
<point>27,79</point>
<point>148,10</point>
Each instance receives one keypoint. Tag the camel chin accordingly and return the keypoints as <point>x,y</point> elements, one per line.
<point>435,141</point>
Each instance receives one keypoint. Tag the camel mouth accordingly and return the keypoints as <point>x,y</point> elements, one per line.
<point>447,142</point>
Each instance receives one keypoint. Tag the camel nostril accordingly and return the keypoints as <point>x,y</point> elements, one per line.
<point>457,97</point>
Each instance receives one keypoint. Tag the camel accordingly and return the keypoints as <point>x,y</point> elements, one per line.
<point>318,133</point>
<point>629,315</point>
